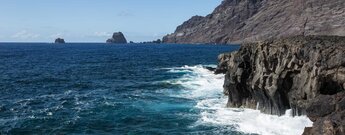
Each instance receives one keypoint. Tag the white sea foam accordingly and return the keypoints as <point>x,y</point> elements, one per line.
<point>198,82</point>
<point>206,88</point>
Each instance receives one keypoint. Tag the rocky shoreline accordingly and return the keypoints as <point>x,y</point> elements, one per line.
<point>305,74</point>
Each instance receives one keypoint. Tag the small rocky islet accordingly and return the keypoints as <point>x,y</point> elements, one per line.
<point>117,38</point>
<point>59,41</point>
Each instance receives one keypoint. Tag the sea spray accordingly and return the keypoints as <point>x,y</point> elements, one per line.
<point>206,88</point>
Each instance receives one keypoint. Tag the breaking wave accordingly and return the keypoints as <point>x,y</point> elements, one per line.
<point>206,89</point>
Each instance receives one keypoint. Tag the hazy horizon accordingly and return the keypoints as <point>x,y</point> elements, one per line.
<point>91,21</point>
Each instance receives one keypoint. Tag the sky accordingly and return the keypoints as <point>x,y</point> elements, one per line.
<point>95,20</point>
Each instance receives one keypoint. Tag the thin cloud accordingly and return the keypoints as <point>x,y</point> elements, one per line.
<point>25,35</point>
<point>158,35</point>
<point>56,35</point>
<point>125,14</point>
<point>102,34</point>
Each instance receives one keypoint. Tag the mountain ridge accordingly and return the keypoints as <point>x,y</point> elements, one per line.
<point>237,21</point>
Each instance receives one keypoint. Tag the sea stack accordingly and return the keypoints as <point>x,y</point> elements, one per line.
<point>59,41</point>
<point>118,38</point>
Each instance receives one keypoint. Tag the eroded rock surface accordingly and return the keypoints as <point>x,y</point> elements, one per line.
<point>237,21</point>
<point>305,74</point>
<point>328,114</point>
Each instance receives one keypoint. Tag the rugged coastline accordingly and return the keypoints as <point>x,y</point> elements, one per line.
<point>305,74</point>
<point>237,21</point>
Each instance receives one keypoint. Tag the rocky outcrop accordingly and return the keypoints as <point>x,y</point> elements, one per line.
<point>328,114</point>
<point>237,21</point>
<point>59,41</point>
<point>118,38</point>
<point>305,74</point>
<point>158,41</point>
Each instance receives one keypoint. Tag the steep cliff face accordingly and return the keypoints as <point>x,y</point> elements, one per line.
<point>306,74</point>
<point>237,21</point>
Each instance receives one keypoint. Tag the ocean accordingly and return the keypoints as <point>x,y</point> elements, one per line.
<point>123,89</point>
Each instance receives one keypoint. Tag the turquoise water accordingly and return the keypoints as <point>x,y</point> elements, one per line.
<point>123,89</point>
<point>101,89</point>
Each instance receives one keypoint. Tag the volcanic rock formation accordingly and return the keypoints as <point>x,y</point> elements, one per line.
<point>305,74</point>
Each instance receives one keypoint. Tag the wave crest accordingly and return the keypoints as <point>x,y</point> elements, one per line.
<point>206,89</point>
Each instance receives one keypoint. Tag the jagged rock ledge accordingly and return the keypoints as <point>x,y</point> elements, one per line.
<point>305,74</point>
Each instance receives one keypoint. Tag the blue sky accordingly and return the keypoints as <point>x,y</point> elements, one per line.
<point>95,20</point>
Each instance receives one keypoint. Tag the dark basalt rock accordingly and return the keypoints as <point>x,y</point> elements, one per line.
<point>118,38</point>
<point>212,69</point>
<point>59,41</point>
<point>305,74</point>
<point>236,21</point>
<point>158,41</point>
<point>328,114</point>
<point>223,63</point>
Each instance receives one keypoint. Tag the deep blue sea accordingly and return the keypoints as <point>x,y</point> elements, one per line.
<point>122,89</point>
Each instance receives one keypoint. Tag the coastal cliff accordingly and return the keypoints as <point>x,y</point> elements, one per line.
<point>305,74</point>
<point>237,21</point>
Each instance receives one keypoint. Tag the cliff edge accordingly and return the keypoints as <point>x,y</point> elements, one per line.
<point>305,74</point>
<point>237,21</point>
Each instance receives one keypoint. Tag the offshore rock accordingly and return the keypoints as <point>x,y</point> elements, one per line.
<point>237,21</point>
<point>118,38</point>
<point>59,41</point>
<point>305,74</point>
